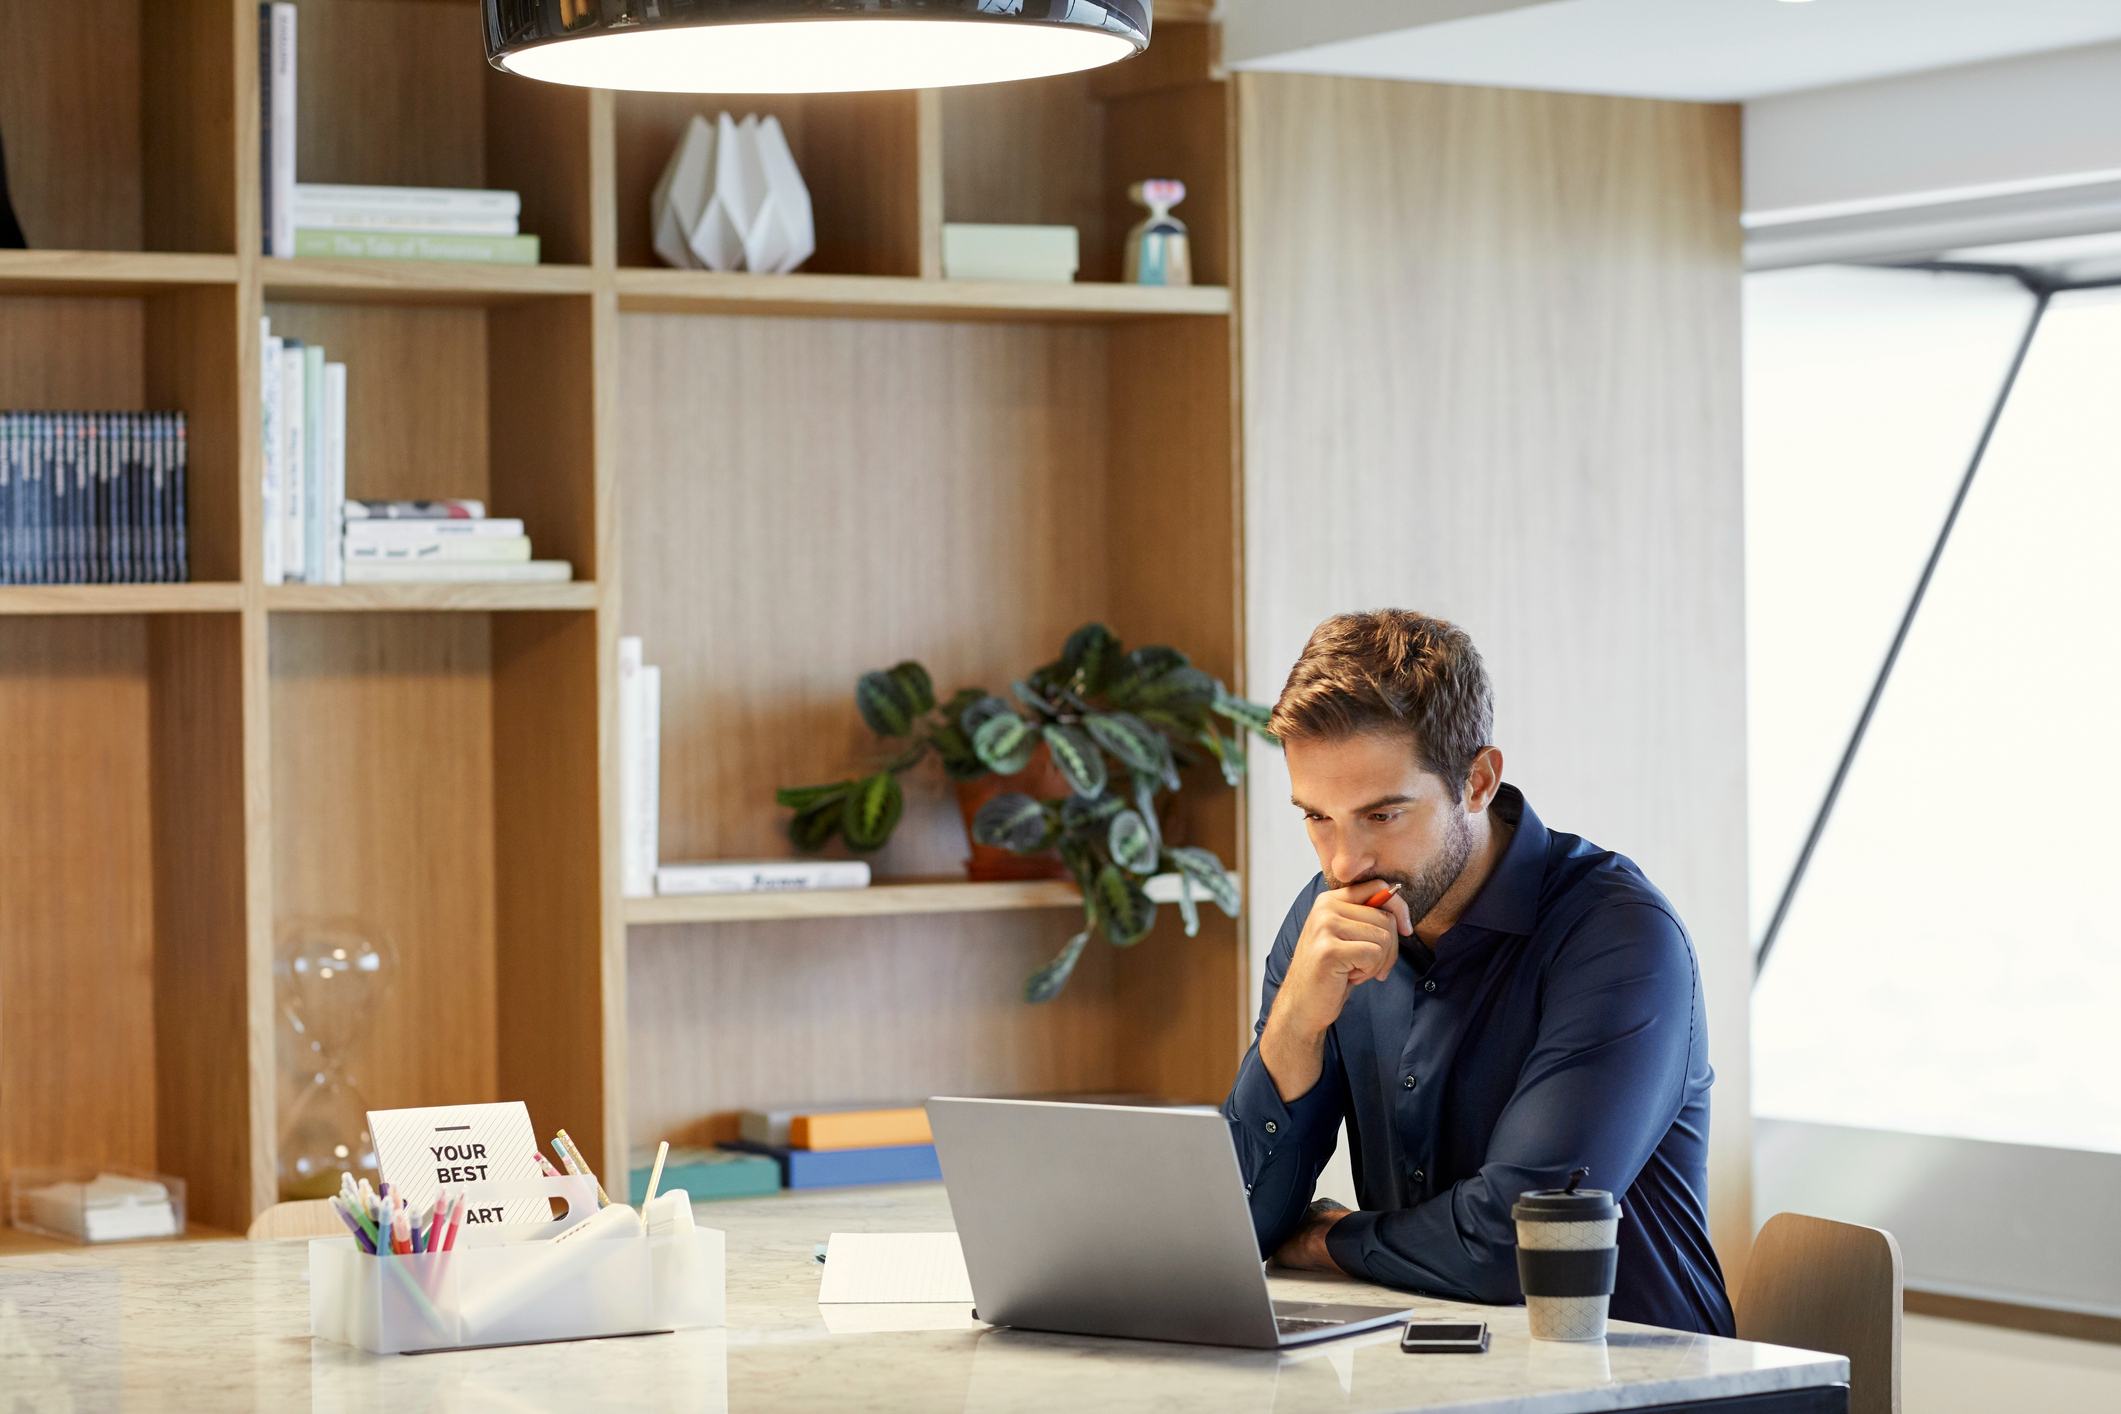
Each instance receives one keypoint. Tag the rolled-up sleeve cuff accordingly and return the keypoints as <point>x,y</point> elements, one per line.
<point>1267,1123</point>
<point>1349,1239</point>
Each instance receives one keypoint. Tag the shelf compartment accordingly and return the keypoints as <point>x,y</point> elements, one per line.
<point>117,125</point>
<point>170,347</point>
<point>100,272</point>
<point>124,1005</point>
<point>429,598</point>
<point>427,780</point>
<point>34,599</point>
<point>898,297</point>
<point>441,116</point>
<point>892,898</point>
<point>413,282</point>
<point>859,153</point>
<point>494,403</point>
<point>1063,151</point>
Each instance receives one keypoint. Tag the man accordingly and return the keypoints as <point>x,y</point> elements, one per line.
<point>1526,1004</point>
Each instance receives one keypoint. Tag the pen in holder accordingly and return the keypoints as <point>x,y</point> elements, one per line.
<point>590,1273</point>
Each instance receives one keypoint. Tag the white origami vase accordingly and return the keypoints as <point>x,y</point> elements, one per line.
<point>730,198</point>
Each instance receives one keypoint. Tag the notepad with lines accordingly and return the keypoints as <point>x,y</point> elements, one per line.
<point>894,1267</point>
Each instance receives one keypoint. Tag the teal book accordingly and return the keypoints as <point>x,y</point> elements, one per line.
<point>706,1174</point>
<point>324,243</point>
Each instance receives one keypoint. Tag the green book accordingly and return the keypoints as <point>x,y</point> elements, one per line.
<point>707,1173</point>
<point>328,244</point>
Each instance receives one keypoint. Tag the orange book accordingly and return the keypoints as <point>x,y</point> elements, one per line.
<point>859,1129</point>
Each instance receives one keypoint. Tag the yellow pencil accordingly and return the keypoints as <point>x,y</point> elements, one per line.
<point>571,1155</point>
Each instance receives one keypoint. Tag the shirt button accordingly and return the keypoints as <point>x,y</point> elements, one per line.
<point>1407,1084</point>
<point>1273,1128</point>
<point>1420,1177</point>
<point>1429,986</point>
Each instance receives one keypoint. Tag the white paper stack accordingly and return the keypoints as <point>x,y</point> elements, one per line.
<point>640,770</point>
<point>757,876</point>
<point>989,252</point>
<point>732,199</point>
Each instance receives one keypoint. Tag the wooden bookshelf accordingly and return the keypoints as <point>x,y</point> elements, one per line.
<point>777,482</point>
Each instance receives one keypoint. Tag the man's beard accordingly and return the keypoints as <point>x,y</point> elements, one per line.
<point>1422,891</point>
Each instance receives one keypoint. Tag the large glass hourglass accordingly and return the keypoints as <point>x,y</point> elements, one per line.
<point>329,977</point>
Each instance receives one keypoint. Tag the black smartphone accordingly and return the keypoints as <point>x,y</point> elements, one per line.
<point>1444,1338</point>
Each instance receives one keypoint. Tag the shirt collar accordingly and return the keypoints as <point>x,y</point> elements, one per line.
<point>1509,901</point>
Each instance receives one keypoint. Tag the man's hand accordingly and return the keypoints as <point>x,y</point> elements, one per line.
<point>1344,944</point>
<point>1305,1249</point>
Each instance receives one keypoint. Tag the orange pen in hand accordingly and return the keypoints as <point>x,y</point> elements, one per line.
<point>1377,900</point>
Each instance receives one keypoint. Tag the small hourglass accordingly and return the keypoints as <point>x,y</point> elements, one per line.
<point>329,976</point>
<point>1158,249</point>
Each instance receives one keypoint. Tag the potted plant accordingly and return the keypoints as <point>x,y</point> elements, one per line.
<point>1092,742</point>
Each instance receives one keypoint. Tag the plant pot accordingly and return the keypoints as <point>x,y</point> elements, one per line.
<point>1041,780</point>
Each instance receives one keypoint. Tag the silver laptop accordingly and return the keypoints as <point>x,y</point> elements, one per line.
<point>1113,1220</point>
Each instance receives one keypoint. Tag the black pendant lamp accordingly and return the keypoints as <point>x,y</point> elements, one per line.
<point>807,46</point>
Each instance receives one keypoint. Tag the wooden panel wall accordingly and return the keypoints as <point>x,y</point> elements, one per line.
<point>1491,372</point>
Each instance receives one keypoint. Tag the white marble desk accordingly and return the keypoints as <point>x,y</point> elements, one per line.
<point>224,1326</point>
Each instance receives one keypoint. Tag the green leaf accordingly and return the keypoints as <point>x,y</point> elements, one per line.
<point>983,708</point>
<point>1129,738</point>
<point>1046,983</point>
<point>1229,752</point>
<point>1133,846</point>
<point>1179,688</point>
<point>1124,911</point>
<point>1029,696</point>
<point>1187,909</point>
<point>803,797</point>
<point>885,703</point>
<point>1083,813</point>
<point>1014,822</point>
<point>812,828</point>
<point>1204,869</point>
<point>872,811</point>
<point>960,761</point>
<point>1004,744</point>
<point>1089,656</point>
<point>1077,757</point>
<point>1145,805</point>
<point>1249,715</point>
<point>914,681</point>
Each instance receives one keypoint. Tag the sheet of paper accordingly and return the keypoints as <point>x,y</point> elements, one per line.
<point>423,1151</point>
<point>895,1268</point>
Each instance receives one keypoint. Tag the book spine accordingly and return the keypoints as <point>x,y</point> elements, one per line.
<point>650,823</point>
<point>511,549</point>
<point>273,558</point>
<point>293,403</point>
<point>135,506</point>
<point>334,508</point>
<point>416,510</point>
<point>792,877</point>
<point>910,1163</point>
<point>265,149</point>
<point>283,127</point>
<point>466,201</point>
<point>382,245</point>
<point>421,532</point>
<point>7,498</point>
<point>313,463</point>
<point>635,878</point>
<point>859,1129</point>
<point>154,501</point>
<point>404,223</point>
<point>458,572</point>
<point>180,460</point>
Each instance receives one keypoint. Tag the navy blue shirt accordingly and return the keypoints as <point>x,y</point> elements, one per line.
<point>1558,1024</point>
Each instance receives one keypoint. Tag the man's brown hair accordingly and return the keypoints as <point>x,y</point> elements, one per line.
<point>1392,670</point>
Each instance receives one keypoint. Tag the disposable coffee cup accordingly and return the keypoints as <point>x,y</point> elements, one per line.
<point>1567,1253</point>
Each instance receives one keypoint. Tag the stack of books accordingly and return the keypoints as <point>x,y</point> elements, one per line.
<point>705,1174</point>
<point>833,1146</point>
<point>92,498</point>
<point>430,542</point>
<point>303,396</point>
<point>360,222</point>
<point>410,223</point>
<point>640,770</point>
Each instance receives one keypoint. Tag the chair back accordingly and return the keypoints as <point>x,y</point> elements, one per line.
<point>1823,1285</point>
<point>309,1217</point>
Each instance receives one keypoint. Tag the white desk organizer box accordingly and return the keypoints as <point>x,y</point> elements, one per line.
<point>522,1286</point>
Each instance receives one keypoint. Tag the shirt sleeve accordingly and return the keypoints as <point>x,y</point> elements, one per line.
<point>1282,1147</point>
<point>1601,1088</point>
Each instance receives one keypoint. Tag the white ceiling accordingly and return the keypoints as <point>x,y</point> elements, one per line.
<point>1708,50</point>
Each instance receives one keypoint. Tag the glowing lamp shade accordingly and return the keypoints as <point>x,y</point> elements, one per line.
<point>807,46</point>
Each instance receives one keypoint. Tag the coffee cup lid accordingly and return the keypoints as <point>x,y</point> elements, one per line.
<point>1566,1205</point>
